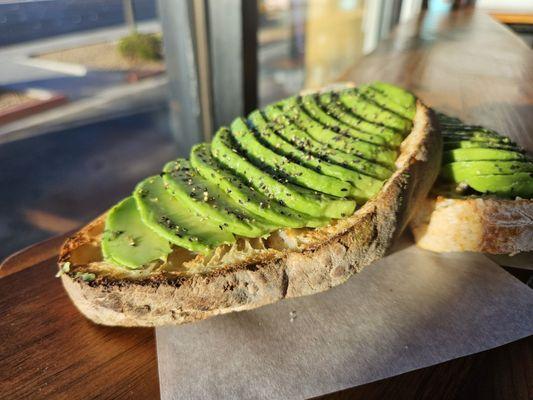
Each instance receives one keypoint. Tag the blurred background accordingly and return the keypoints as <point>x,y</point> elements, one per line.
<point>97,94</point>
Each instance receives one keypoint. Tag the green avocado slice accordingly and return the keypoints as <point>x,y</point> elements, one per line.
<point>336,110</point>
<point>451,125</point>
<point>484,160</point>
<point>293,134</point>
<point>296,112</point>
<point>293,171</point>
<point>406,110</point>
<point>458,171</point>
<point>466,144</point>
<point>361,107</point>
<point>517,184</point>
<point>480,154</point>
<point>282,216</point>
<point>174,220</point>
<point>384,155</point>
<point>314,204</point>
<point>447,119</point>
<point>396,94</point>
<point>474,136</point>
<point>465,129</point>
<point>309,106</point>
<point>364,186</point>
<point>127,241</point>
<point>207,200</point>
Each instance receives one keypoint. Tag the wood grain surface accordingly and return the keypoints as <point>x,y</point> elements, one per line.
<point>513,18</point>
<point>48,350</point>
<point>465,64</point>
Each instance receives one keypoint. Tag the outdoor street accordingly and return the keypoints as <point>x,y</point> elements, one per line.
<point>89,91</point>
<point>23,21</point>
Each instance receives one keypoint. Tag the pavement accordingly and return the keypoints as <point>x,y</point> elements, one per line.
<point>26,20</point>
<point>20,71</point>
<point>116,101</point>
<point>104,93</point>
<point>91,92</point>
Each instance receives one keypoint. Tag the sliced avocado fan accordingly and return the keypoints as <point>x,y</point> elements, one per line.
<point>367,110</point>
<point>308,105</point>
<point>174,220</point>
<point>278,188</point>
<point>210,202</point>
<point>282,125</point>
<point>385,97</point>
<point>479,159</point>
<point>336,110</point>
<point>337,141</point>
<point>362,186</point>
<point>396,94</point>
<point>293,171</point>
<point>300,162</point>
<point>236,188</point>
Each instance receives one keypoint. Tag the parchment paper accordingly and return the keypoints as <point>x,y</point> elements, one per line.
<point>410,310</point>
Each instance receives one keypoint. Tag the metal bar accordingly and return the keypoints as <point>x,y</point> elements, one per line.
<point>397,9</point>
<point>202,61</point>
<point>372,25</point>
<point>177,20</point>
<point>211,56</point>
<point>386,18</point>
<point>129,15</point>
<point>410,9</point>
<point>233,49</point>
<point>250,23</point>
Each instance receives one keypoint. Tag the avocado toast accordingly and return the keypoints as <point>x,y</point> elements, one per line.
<point>289,201</point>
<point>483,198</point>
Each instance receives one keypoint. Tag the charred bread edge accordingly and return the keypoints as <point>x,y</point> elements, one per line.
<point>365,239</point>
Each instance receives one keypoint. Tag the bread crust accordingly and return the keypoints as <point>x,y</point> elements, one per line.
<point>335,253</point>
<point>481,224</point>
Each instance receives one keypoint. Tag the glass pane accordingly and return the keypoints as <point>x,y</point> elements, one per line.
<point>55,182</point>
<point>83,111</point>
<point>307,43</point>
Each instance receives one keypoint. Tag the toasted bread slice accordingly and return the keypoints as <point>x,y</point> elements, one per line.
<point>252,273</point>
<point>482,224</point>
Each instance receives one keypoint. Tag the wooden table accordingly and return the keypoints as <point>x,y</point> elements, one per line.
<point>464,64</point>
